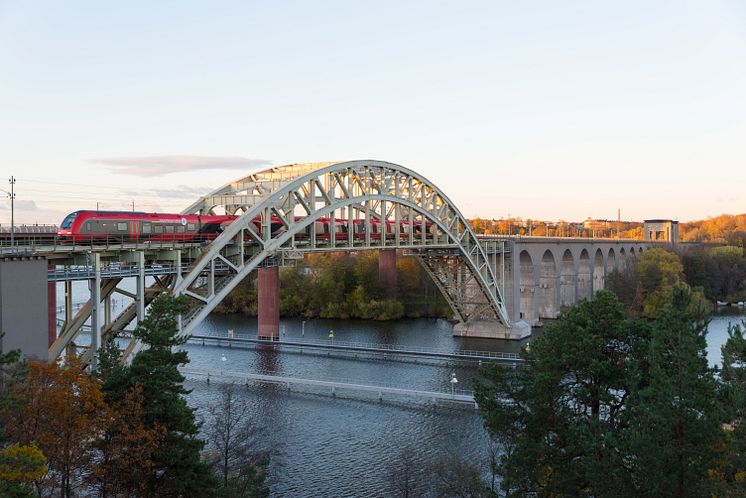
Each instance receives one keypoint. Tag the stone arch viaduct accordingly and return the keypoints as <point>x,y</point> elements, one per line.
<point>544,274</point>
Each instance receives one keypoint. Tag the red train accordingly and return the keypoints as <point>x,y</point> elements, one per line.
<point>134,226</point>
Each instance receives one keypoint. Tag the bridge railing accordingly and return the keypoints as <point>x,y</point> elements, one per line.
<point>352,382</point>
<point>52,244</point>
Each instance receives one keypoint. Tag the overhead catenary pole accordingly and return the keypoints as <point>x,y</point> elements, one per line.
<point>12,195</point>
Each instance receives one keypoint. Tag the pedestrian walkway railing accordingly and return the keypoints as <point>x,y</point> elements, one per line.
<point>457,395</point>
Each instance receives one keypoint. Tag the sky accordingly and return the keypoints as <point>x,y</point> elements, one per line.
<point>539,109</point>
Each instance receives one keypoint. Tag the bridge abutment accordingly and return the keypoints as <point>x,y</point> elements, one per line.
<point>269,303</point>
<point>492,329</point>
<point>23,299</point>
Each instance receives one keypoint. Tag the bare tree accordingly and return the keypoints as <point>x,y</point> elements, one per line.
<point>456,478</point>
<point>405,474</point>
<point>235,451</point>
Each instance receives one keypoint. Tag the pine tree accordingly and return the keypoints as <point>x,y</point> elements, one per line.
<point>673,416</point>
<point>557,415</point>
<point>731,469</point>
<point>178,470</point>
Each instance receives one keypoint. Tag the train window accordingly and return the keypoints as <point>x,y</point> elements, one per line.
<point>158,229</point>
<point>146,228</point>
<point>169,229</point>
<point>191,227</point>
<point>88,226</point>
<point>68,221</point>
<point>122,227</point>
<point>179,229</point>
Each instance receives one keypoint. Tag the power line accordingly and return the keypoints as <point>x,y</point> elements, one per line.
<point>73,184</point>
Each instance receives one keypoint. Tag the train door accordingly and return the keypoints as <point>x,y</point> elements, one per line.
<point>135,231</point>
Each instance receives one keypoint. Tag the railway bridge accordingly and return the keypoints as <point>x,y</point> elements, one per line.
<point>497,286</point>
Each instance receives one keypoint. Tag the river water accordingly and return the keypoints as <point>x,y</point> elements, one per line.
<point>348,445</point>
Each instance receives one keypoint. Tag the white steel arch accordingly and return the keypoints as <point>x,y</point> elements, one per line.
<point>363,193</point>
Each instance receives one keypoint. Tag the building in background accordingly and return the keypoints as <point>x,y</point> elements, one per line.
<point>661,230</point>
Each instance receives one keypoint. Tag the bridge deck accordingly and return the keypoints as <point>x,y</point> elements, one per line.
<point>458,396</point>
<point>396,349</point>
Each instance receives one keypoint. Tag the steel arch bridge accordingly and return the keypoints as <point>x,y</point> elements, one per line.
<point>357,191</point>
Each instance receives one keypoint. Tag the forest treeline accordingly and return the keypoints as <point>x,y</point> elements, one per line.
<point>346,285</point>
<point>724,229</point>
<point>123,430</point>
<point>713,273</point>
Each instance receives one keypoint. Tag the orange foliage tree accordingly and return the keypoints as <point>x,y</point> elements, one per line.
<point>127,443</point>
<point>63,413</point>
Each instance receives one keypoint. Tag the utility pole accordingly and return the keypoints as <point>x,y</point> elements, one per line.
<point>12,195</point>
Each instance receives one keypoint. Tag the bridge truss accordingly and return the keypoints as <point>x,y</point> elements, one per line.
<point>298,195</point>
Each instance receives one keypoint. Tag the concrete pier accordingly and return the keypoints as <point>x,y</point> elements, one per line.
<point>269,303</point>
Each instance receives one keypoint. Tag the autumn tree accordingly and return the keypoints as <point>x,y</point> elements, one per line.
<point>659,271</point>
<point>63,413</point>
<point>20,467</point>
<point>127,443</point>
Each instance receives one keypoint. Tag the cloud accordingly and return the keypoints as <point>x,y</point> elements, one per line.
<point>163,165</point>
<point>20,205</point>
<point>179,192</point>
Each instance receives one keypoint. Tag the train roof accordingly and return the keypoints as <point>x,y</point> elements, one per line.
<point>112,212</point>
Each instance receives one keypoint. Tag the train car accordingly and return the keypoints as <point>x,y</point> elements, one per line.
<point>137,226</point>
<point>322,228</point>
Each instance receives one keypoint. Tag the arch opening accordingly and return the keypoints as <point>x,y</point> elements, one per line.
<point>568,280</point>
<point>527,288</point>
<point>584,276</point>
<point>548,286</point>
<point>599,275</point>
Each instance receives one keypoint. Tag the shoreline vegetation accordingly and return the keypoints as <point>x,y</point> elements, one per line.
<point>346,286</point>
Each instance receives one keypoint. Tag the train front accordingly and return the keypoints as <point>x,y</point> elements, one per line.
<point>65,232</point>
